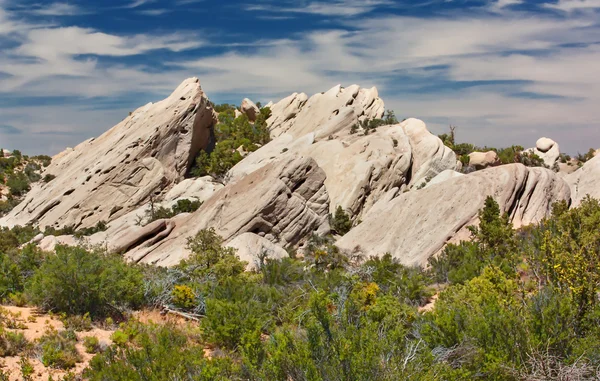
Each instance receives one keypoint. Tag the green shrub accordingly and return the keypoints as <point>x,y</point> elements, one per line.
<point>340,222</point>
<point>57,349</point>
<point>18,184</point>
<point>91,344</point>
<point>77,281</point>
<point>12,343</point>
<point>158,353</point>
<point>77,323</point>
<point>184,297</point>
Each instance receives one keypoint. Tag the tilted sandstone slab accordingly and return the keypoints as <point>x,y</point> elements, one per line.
<point>584,181</point>
<point>332,111</point>
<point>104,178</point>
<point>361,168</point>
<point>415,225</point>
<point>284,202</point>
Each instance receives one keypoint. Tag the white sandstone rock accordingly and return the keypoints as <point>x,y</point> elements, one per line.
<point>249,109</point>
<point>250,247</point>
<point>482,160</point>
<point>105,178</point>
<point>413,226</point>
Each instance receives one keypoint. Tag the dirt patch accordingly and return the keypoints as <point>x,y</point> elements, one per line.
<point>34,325</point>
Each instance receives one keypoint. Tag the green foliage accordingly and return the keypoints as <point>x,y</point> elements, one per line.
<point>91,344</point>
<point>49,177</point>
<point>18,184</point>
<point>77,323</point>
<point>232,133</point>
<point>340,222</point>
<point>589,155</point>
<point>58,349</point>
<point>12,343</point>
<point>182,206</point>
<point>184,297</point>
<point>158,353</point>
<point>493,242</point>
<point>77,281</point>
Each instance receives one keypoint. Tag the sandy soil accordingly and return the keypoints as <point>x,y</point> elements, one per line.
<point>36,325</point>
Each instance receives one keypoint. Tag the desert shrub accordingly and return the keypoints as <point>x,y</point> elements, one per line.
<point>17,266</point>
<point>493,242</point>
<point>77,323</point>
<point>57,349</point>
<point>18,184</point>
<point>182,206</point>
<point>183,297</point>
<point>12,343</point>
<point>78,281</point>
<point>91,344</point>
<point>49,177</point>
<point>340,222</point>
<point>582,158</point>
<point>155,352</point>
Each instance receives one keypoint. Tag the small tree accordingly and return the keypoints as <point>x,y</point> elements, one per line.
<point>340,222</point>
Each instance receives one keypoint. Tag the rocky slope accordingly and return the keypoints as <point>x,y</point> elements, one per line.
<point>415,225</point>
<point>400,180</point>
<point>104,178</point>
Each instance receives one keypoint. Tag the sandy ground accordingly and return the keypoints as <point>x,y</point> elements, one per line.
<point>37,325</point>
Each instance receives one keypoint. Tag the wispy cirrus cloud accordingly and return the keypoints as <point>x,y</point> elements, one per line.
<point>323,8</point>
<point>57,9</point>
<point>574,5</point>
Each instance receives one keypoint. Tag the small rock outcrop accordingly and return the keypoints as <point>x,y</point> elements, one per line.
<point>105,178</point>
<point>415,225</point>
<point>548,150</point>
<point>251,248</point>
<point>250,109</point>
<point>584,181</point>
<point>482,160</point>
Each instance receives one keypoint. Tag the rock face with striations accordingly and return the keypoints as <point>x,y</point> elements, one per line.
<point>414,226</point>
<point>104,178</point>
<point>283,202</point>
<point>361,168</point>
<point>325,113</point>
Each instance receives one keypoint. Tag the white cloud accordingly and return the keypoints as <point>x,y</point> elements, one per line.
<point>575,5</point>
<point>325,8</point>
<point>57,9</point>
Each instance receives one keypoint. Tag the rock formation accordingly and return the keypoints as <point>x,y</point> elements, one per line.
<point>548,150</point>
<point>251,247</point>
<point>105,178</point>
<point>249,109</point>
<point>482,160</point>
<point>325,113</point>
<point>283,202</point>
<point>361,168</point>
<point>415,225</point>
<point>584,181</point>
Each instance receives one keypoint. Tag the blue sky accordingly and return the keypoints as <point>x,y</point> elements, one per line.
<point>504,71</point>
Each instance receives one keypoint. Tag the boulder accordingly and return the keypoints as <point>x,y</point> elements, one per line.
<point>249,109</point>
<point>284,202</point>
<point>482,160</point>
<point>50,242</point>
<point>584,181</point>
<point>251,248</point>
<point>415,225</point>
<point>548,150</point>
<point>107,177</point>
